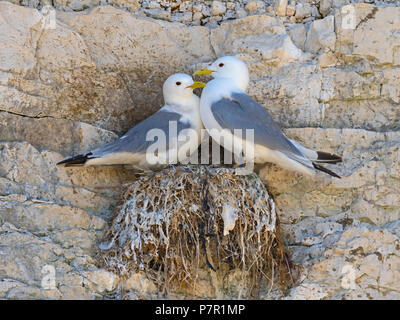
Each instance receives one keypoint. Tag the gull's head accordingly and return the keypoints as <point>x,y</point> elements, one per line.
<point>179,87</point>
<point>228,67</point>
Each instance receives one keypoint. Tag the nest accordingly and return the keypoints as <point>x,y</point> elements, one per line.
<point>184,219</point>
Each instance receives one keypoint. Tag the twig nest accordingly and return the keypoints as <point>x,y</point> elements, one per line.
<point>178,222</point>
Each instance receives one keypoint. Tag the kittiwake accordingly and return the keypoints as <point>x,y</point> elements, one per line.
<point>226,107</point>
<point>178,121</point>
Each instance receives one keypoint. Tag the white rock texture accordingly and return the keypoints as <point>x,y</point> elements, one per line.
<point>321,35</point>
<point>69,89</point>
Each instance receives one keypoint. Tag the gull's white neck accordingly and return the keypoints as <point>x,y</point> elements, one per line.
<point>182,104</point>
<point>220,88</point>
<point>188,107</point>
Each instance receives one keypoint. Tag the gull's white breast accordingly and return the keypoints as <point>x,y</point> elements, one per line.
<point>215,90</point>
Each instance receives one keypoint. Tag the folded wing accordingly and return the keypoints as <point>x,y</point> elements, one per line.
<point>242,112</point>
<point>134,141</point>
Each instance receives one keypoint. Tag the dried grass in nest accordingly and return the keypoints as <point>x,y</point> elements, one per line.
<point>170,224</point>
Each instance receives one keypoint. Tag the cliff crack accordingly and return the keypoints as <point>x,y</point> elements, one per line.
<point>38,116</point>
<point>369,16</point>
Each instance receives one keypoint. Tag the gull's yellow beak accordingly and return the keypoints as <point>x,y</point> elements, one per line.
<point>197,84</point>
<point>202,72</point>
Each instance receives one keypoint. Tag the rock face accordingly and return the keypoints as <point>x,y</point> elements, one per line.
<point>331,79</point>
<point>342,261</point>
<point>321,35</point>
<point>261,40</point>
<point>208,12</point>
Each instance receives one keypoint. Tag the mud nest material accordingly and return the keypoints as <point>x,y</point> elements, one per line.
<point>183,219</point>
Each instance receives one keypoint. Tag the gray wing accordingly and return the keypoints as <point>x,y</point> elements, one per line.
<point>134,141</point>
<point>242,112</point>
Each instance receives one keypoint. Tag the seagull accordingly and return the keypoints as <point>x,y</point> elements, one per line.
<point>225,107</point>
<point>177,126</point>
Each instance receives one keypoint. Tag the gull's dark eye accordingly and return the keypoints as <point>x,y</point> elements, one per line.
<point>178,83</point>
<point>221,65</point>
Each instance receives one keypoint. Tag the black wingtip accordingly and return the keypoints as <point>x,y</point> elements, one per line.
<point>325,157</point>
<point>323,169</point>
<point>78,160</point>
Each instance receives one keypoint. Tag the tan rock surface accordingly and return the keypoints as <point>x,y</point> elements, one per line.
<point>80,71</point>
<point>347,262</point>
<point>262,40</point>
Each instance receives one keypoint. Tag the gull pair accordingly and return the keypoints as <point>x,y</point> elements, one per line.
<point>224,110</point>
